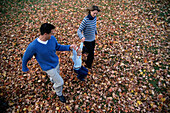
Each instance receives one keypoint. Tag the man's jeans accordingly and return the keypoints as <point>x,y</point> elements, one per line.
<point>55,77</point>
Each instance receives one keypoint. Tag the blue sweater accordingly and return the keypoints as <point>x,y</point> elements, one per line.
<point>45,54</point>
<point>88,27</point>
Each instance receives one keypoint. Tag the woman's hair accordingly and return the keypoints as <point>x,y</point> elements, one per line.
<point>92,8</point>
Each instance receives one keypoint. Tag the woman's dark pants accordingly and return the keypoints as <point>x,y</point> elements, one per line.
<point>89,48</point>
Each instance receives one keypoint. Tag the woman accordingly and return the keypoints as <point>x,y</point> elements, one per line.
<point>88,27</point>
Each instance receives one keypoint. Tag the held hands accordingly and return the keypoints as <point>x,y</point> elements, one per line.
<point>73,46</point>
<point>83,39</point>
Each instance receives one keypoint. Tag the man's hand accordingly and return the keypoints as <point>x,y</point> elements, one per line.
<point>73,46</point>
<point>83,39</point>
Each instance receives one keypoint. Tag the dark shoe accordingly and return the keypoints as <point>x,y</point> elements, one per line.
<point>62,99</point>
<point>80,78</point>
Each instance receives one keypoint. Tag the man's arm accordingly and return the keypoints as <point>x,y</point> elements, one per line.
<point>60,47</point>
<point>27,56</point>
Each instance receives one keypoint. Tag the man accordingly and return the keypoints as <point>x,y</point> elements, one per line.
<point>44,49</point>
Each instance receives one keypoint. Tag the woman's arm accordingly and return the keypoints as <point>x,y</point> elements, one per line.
<point>81,28</point>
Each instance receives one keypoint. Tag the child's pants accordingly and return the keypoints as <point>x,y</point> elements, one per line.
<point>56,79</point>
<point>82,72</point>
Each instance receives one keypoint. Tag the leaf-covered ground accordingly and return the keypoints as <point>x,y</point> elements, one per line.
<point>131,65</point>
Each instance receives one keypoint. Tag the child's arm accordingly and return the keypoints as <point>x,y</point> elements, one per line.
<point>81,46</point>
<point>74,55</point>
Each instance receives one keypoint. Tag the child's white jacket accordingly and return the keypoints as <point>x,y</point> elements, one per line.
<point>77,59</point>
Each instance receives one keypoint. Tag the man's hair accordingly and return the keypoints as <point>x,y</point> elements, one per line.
<point>46,28</point>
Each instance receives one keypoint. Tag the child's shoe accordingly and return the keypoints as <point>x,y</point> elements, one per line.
<point>80,78</point>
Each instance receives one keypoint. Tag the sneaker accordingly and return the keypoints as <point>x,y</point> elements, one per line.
<point>62,99</point>
<point>80,78</point>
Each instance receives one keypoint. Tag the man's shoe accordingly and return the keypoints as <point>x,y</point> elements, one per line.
<point>62,99</point>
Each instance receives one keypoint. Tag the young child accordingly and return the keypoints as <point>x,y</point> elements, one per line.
<point>77,59</point>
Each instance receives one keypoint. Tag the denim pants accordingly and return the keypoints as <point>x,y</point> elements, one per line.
<point>82,72</point>
<point>56,79</point>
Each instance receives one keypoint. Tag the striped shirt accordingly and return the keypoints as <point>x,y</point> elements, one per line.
<point>88,27</point>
